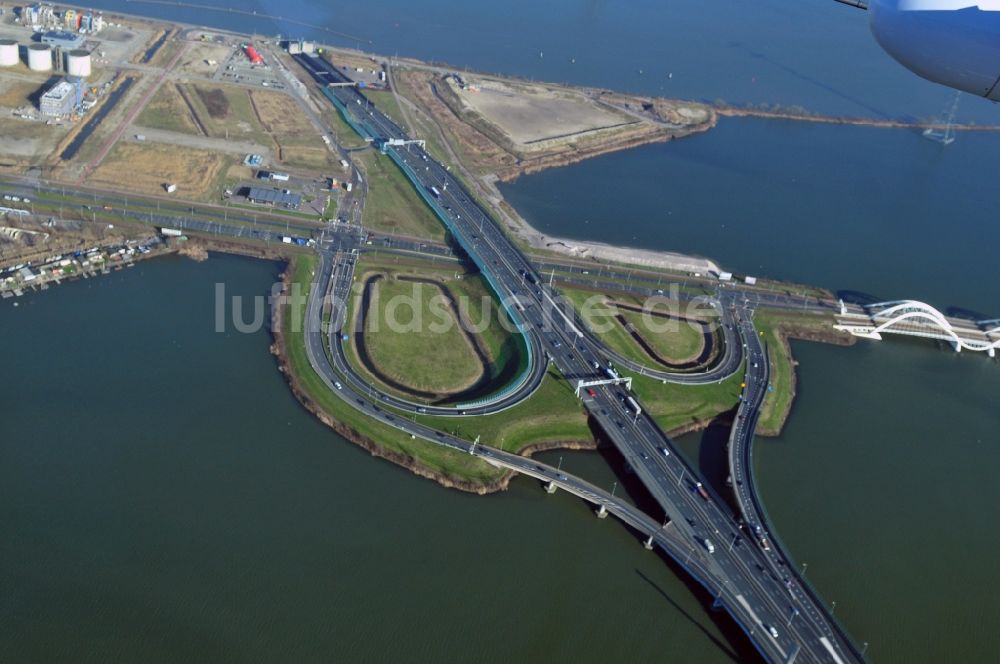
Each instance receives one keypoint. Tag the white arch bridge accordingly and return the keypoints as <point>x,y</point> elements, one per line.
<point>917,319</point>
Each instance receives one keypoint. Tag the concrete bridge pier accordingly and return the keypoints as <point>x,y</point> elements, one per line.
<point>550,487</point>
<point>992,352</point>
<point>603,512</point>
<point>957,346</point>
<point>648,544</point>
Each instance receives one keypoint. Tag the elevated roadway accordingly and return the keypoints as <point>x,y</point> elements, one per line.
<point>755,527</point>
<point>757,600</point>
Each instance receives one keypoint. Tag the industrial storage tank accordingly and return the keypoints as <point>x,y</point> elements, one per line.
<point>39,57</point>
<point>8,52</point>
<point>78,63</point>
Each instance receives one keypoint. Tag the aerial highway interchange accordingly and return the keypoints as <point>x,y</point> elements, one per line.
<point>719,547</point>
<point>758,588</point>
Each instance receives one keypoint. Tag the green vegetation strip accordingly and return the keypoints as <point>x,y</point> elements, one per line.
<point>432,457</point>
<point>393,205</point>
<point>686,407</point>
<point>414,338</point>
<point>679,342</point>
<point>551,415</point>
<point>503,349</point>
<point>772,325</point>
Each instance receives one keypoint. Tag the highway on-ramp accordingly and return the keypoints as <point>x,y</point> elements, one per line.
<point>783,626</point>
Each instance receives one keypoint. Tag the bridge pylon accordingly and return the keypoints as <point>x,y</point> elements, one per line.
<point>602,513</point>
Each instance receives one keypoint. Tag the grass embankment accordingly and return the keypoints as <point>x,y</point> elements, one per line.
<point>683,408</point>
<point>504,352</point>
<point>414,338</point>
<point>775,329</point>
<point>394,206</point>
<point>679,342</point>
<point>552,417</point>
<point>421,456</point>
<point>672,339</point>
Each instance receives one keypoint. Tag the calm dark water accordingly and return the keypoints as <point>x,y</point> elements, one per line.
<point>817,54</point>
<point>880,211</point>
<point>883,485</point>
<point>164,498</point>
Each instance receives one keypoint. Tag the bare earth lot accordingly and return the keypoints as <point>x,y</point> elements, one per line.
<point>146,168</point>
<point>529,114</point>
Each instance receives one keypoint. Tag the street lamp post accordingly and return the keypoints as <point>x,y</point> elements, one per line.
<point>804,567</point>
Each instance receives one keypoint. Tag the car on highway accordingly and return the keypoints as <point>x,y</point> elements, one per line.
<point>591,393</point>
<point>665,451</point>
<point>772,631</point>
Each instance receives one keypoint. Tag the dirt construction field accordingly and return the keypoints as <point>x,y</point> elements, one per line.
<point>168,110</point>
<point>195,61</point>
<point>227,112</point>
<point>530,114</point>
<point>147,168</point>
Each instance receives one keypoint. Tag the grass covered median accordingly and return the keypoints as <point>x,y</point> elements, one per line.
<point>413,337</point>
<point>674,340</point>
<point>411,343</point>
<point>393,205</point>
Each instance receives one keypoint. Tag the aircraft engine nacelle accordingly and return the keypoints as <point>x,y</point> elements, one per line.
<point>952,42</point>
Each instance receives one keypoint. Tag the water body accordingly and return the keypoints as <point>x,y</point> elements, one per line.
<point>165,498</point>
<point>883,484</point>
<point>881,211</point>
<point>818,55</point>
<point>265,537</point>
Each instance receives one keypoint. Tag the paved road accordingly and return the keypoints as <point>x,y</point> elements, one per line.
<point>758,600</point>
<point>732,583</point>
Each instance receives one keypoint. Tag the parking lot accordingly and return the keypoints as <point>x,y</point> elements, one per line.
<point>238,69</point>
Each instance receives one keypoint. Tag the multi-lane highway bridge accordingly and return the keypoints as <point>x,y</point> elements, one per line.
<point>701,532</point>
<point>733,553</point>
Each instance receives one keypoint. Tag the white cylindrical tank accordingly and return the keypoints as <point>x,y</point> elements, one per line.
<point>78,63</point>
<point>8,52</point>
<point>39,57</point>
